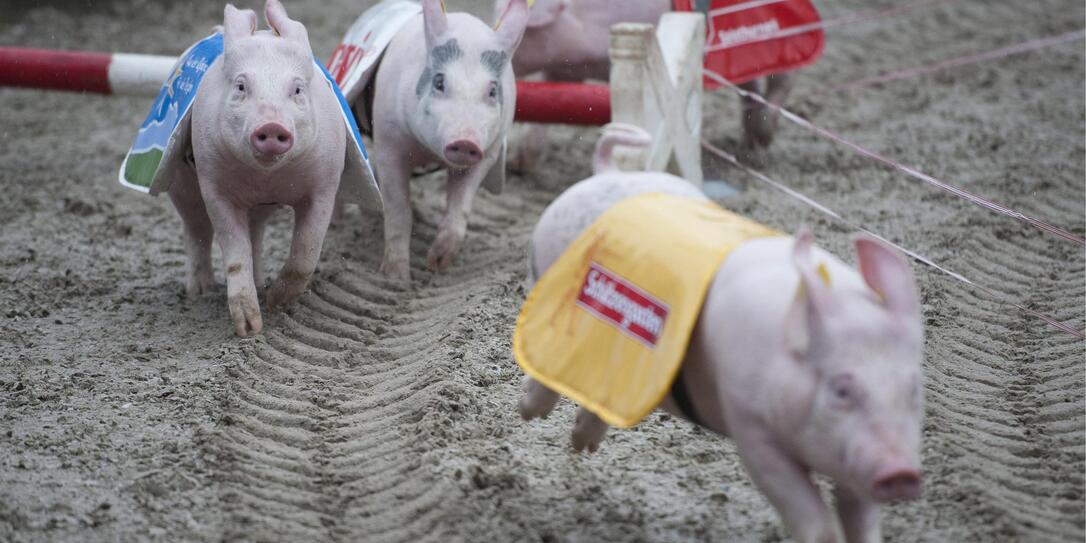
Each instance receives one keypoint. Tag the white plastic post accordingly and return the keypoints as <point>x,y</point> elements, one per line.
<point>656,84</point>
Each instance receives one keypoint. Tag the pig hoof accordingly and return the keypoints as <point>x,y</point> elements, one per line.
<point>538,400</point>
<point>398,271</point>
<point>444,249</point>
<point>280,296</point>
<point>198,286</point>
<point>759,130</point>
<point>530,409</point>
<point>580,444</point>
<point>588,431</point>
<point>194,290</point>
<point>245,314</point>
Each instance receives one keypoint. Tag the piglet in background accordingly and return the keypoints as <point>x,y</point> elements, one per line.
<point>267,131</point>
<point>568,40</point>
<point>444,93</point>
<point>803,374</point>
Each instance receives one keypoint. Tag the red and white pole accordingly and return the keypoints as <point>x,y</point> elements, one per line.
<point>143,75</point>
<point>105,73</point>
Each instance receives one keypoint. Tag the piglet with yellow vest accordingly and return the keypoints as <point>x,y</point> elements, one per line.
<point>647,295</point>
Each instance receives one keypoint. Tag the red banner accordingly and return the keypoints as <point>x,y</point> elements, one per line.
<point>748,39</point>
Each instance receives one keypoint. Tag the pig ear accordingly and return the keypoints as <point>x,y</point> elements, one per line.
<point>237,23</point>
<point>812,298</point>
<point>888,274</point>
<point>433,15</point>
<point>814,279</point>
<point>283,25</point>
<point>545,12</point>
<point>510,27</point>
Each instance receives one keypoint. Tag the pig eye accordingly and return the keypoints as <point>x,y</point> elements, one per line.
<point>439,82</point>
<point>843,388</point>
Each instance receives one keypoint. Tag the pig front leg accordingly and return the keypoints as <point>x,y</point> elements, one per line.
<point>311,219</point>
<point>538,400</point>
<point>786,484</point>
<point>185,195</point>
<point>859,517</point>
<point>232,229</point>
<point>588,431</point>
<point>394,178</point>
<point>460,191</point>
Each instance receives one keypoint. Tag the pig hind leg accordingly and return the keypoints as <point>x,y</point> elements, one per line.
<point>538,400</point>
<point>258,219</point>
<point>760,121</point>
<point>529,149</point>
<point>394,180</point>
<point>186,198</point>
<point>588,431</point>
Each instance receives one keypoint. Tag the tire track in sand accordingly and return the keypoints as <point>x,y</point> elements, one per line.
<point>1006,392</point>
<point>335,406</point>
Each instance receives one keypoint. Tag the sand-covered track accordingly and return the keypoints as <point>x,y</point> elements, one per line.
<point>378,411</point>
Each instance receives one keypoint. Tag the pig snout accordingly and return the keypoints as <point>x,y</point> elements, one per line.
<point>895,483</point>
<point>463,152</point>
<point>271,139</point>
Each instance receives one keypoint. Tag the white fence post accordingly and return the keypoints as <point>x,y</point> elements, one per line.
<point>656,84</point>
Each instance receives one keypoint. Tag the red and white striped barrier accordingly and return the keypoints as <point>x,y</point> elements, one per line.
<point>142,75</point>
<point>104,73</point>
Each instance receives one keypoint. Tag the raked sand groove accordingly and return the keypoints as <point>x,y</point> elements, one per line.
<point>325,419</point>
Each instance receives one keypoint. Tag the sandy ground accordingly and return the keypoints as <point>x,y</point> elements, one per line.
<point>385,412</point>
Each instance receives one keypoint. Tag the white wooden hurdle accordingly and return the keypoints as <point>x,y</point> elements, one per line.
<point>656,84</point>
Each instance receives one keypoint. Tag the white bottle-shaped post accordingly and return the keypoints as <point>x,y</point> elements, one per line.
<point>656,84</point>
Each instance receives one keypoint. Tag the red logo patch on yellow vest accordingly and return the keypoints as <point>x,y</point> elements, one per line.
<point>608,323</point>
<point>615,300</point>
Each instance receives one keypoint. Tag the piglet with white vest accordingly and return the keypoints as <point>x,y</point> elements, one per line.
<point>804,374</point>
<point>267,130</point>
<point>444,93</point>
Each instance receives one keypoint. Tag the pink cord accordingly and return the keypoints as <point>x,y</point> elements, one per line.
<point>911,172</point>
<point>923,259</point>
<point>959,61</point>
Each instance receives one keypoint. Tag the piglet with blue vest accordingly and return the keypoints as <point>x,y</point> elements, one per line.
<point>808,364</point>
<point>266,131</point>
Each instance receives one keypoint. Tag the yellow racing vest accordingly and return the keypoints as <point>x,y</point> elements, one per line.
<point>609,322</point>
